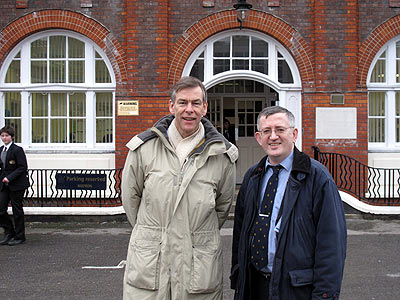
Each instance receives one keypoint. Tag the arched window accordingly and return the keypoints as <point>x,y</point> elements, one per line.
<point>384,98</point>
<point>244,52</point>
<point>57,90</point>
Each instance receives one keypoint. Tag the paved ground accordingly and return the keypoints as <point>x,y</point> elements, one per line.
<point>80,261</point>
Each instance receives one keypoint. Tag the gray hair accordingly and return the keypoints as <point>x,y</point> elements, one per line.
<point>188,82</point>
<point>268,111</point>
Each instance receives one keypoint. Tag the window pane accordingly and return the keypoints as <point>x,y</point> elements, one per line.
<point>221,65</point>
<point>39,105</point>
<point>58,131</point>
<point>397,70</point>
<point>376,124</point>
<point>77,128</point>
<point>222,47</point>
<point>102,74</point>
<point>198,70</point>
<point>57,71</point>
<point>376,130</point>
<point>260,65</point>
<point>13,74</point>
<point>284,73</point>
<point>16,123</point>
<point>376,104</point>
<point>76,71</point>
<point>240,64</point>
<point>58,104</point>
<point>104,105</point>
<point>39,48</point>
<point>259,48</point>
<point>38,71</point>
<point>240,46</point>
<point>77,105</point>
<point>379,71</point>
<point>12,104</point>
<point>39,131</point>
<point>104,120</point>
<point>76,48</point>
<point>104,131</point>
<point>57,46</point>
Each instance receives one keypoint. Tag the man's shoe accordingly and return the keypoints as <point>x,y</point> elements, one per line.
<point>6,239</point>
<point>14,242</point>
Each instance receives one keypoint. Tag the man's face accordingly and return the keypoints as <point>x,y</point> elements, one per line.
<point>6,138</point>
<point>188,110</point>
<point>276,137</point>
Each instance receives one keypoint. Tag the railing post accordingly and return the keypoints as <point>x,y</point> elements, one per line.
<point>316,152</point>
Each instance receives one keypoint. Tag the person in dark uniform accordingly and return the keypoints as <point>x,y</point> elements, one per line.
<point>13,183</point>
<point>229,133</point>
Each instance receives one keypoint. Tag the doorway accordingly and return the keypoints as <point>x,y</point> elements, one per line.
<point>239,102</point>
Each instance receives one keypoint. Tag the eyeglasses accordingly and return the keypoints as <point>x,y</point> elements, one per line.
<point>278,130</point>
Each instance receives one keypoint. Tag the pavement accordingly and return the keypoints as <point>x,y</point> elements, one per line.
<point>85,260</point>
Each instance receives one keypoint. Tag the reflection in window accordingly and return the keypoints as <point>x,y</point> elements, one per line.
<point>376,117</point>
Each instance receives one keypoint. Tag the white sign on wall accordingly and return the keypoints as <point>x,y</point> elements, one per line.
<point>336,123</point>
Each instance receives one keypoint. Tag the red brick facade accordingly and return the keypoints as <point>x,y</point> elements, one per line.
<point>148,43</point>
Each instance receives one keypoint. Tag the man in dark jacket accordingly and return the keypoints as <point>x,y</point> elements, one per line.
<point>13,183</point>
<point>289,239</point>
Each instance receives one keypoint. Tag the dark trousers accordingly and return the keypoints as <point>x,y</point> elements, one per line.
<point>15,197</point>
<point>258,284</point>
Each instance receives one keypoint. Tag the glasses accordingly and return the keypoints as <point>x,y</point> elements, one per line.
<point>278,130</point>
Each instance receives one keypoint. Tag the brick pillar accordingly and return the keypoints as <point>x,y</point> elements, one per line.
<point>146,43</point>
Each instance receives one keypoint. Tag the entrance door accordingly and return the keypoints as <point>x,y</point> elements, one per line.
<point>215,112</point>
<point>246,113</point>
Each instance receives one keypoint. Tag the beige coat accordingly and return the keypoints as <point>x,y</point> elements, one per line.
<point>175,250</point>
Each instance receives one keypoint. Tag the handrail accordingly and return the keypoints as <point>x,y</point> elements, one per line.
<point>375,186</point>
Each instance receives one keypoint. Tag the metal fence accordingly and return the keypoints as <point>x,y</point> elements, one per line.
<point>45,189</point>
<point>377,186</point>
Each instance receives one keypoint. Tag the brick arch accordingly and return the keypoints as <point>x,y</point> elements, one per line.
<point>68,20</point>
<point>257,20</point>
<point>370,47</point>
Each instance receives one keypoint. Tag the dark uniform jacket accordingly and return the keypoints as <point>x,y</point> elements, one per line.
<point>311,243</point>
<point>15,169</point>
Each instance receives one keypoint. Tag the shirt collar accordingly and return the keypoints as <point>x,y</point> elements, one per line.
<point>286,163</point>
<point>8,146</point>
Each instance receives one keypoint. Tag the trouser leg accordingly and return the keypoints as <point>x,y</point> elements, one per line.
<point>5,220</point>
<point>259,285</point>
<point>18,213</point>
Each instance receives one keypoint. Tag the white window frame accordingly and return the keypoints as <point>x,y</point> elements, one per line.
<point>271,79</point>
<point>89,87</point>
<point>390,87</point>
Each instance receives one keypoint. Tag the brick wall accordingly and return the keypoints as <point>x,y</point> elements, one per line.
<point>148,43</point>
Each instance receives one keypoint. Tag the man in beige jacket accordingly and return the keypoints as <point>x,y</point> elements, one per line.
<point>177,188</point>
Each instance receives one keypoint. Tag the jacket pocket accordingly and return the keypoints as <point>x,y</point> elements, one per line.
<point>206,273</point>
<point>299,278</point>
<point>143,264</point>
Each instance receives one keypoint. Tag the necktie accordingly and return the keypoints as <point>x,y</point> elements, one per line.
<point>260,230</point>
<point>4,155</point>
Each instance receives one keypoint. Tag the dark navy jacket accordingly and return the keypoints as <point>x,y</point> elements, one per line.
<point>311,243</point>
<point>15,169</point>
